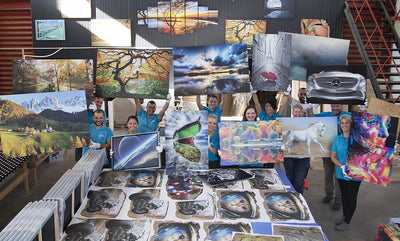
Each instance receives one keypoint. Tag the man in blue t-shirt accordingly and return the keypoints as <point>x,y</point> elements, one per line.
<point>212,105</point>
<point>100,134</point>
<point>98,103</point>
<point>331,183</point>
<point>148,120</point>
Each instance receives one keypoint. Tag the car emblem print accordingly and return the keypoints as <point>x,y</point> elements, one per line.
<point>336,83</point>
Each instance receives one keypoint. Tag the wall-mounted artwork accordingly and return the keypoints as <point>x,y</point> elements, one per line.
<point>43,122</point>
<point>278,8</point>
<point>135,151</point>
<point>315,27</point>
<point>308,136</point>
<point>75,8</point>
<point>50,29</point>
<point>214,69</point>
<point>242,31</point>
<point>186,134</point>
<point>111,32</point>
<point>177,17</point>
<point>337,84</point>
<point>49,75</point>
<point>309,51</point>
<point>250,142</point>
<point>370,153</point>
<point>298,232</point>
<point>133,73</point>
<point>271,62</point>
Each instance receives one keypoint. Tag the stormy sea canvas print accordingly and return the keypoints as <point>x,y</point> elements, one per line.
<point>214,69</point>
<point>43,122</point>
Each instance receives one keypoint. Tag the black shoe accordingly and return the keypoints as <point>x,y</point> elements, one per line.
<point>335,206</point>
<point>327,200</point>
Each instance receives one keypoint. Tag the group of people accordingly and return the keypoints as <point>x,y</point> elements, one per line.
<point>296,168</point>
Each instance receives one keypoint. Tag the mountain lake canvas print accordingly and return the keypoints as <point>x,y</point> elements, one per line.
<point>37,123</point>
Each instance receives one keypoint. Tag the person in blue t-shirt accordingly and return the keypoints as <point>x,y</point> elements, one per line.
<point>148,120</point>
<point>270,108</point>
<point>212,105</point>
<point>132,124</point>
<point>349,187</point>
<point>98,103</point>
<point>213,158</point>
<point>331,183</point>
<point>100,134</point>
<point>269,112</point>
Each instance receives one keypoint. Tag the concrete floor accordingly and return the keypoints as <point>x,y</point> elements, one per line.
<point>376,204</point>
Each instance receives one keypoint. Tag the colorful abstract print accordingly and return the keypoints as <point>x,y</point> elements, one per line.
<point>250,142</point>
<point>370,153</point>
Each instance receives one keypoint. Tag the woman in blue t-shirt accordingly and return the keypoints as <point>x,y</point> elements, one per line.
<point>213,158</point>
<point>269,112</point>
<point>348,186</point>
<point>132,124</point>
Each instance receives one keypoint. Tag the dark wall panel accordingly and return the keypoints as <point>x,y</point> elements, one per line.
<point>78,33</point>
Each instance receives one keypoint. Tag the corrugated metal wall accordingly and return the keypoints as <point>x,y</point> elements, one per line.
<point>15,37</point>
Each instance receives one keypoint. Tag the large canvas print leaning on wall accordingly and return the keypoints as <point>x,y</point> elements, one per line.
<point>31,124</point>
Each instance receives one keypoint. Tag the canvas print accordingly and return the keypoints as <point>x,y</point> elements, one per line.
<point>370,153</point>
<point>187,187</point>
<point>308,136</point>
<point>286,207</point>
<point>43,122</point>
<point>148,204</point>
<point>129,73</point>
<point>111,32</point>
<point>50,75</point>
<point>220,176</point>
<point>176,231</point>
<point>214,69</point>
<point>50,29</point>
<point>177,17</point>
<point>337,84</point>
<point>298,232</point>
<point>278,8</point>
<point>75,8</point>
<point>237,205</point>
<point>242,31</point>
<point>145,178</point>
<point>104,229</point>
<point>135,151</point>
<point>112,179</point>
<point>315,27</point>
<point>103,203</point>
<point>309,51</point>
<point>186,144</point>
<point>266,179</point>
<point>199,209</point>
<point>250,142</point>
<point>217,231</point>
<point>256,237</point>
<point>271,62</point>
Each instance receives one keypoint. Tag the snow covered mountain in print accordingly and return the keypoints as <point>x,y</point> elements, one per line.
<point>70,105</point>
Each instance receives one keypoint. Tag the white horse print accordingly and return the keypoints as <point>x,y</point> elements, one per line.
<point>308,135</point>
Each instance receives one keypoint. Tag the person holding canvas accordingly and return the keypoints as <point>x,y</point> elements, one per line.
<point>213,158</point>
<point>148,120</point>
<point>100,134</point>
<point>331,183</point>
<point>132,124</point>
<point>348,186</point>
<point>212,105</point>
<point>297,168</point>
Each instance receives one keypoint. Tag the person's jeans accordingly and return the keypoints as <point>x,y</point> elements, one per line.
<point>331,182</point>
<point>296,170</point>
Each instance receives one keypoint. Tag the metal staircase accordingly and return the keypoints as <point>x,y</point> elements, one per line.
<point>371,24</point>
